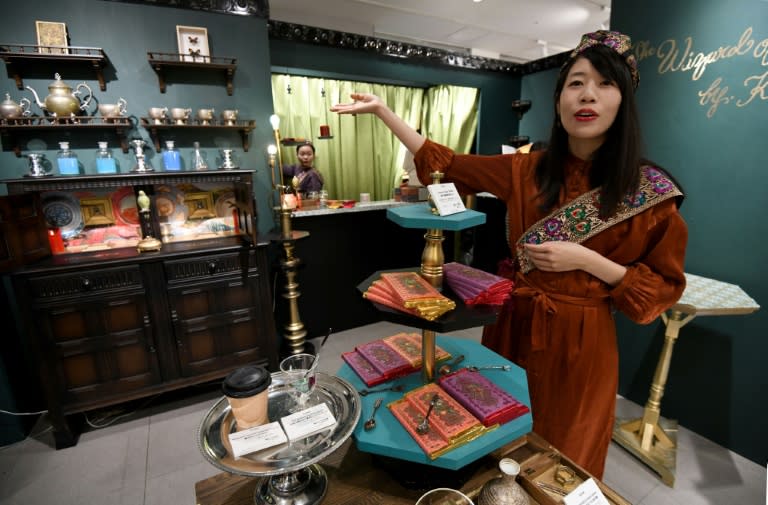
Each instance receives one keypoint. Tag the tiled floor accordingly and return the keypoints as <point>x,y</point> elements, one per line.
<point>150,457</point>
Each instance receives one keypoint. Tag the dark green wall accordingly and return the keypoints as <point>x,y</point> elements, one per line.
<point>538,88</point>
<point>497,90</point>
<point>718,377</point>
<point>126,32</point>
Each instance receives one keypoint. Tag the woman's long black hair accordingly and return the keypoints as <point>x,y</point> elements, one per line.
<point>616,163</point>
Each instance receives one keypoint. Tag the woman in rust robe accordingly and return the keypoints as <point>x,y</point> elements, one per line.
<point>596,229</point>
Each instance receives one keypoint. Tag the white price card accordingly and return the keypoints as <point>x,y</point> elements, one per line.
<point>257,438</point>
<point>446,198</point>
<point>307,422</point>
<point>586,494</point>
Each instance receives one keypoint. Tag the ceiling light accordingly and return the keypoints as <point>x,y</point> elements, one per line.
<point>477,1</point>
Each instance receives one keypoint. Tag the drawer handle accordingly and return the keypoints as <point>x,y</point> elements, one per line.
<point>86,283</point>
<point>212,265</point>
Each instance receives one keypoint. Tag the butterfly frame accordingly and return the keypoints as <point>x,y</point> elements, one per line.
<point>193,44</point>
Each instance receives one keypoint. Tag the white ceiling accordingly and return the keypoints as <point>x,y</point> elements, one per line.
<point>513,30</point>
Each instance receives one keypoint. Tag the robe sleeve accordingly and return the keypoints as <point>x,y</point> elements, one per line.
<point>657,280</point>
<point>497,174</point>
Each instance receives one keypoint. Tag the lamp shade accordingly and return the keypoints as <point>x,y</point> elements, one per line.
<point>274,120</point>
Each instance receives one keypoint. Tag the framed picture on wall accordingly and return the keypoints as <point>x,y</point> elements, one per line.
<point>200,205</point>
<point>97,211</point>
<point>51,37</point>
<point>193,44</point>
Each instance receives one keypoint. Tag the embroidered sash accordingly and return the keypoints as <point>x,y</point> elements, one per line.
<point>580,219</point>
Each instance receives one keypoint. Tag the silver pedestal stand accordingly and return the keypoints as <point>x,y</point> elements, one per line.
<point>288,473</point>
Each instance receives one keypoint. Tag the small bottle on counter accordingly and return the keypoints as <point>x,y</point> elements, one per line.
<point>171,157</point>
<point>198,160</point>
<point>105,163</point>
<point>66,160</point>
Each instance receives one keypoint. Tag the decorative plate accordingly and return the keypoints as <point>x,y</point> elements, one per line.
<point>124,206</point>
<point>225,204</point>
<point>62,210</point>
<point>169,204</point>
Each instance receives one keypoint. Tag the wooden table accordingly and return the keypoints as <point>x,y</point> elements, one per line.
<point>354,478</point>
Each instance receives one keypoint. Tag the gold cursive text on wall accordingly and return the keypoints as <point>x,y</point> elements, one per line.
<point>675,56</point>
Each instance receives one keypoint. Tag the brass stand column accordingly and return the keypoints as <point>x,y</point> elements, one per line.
<point>428,338</point>
<point>652,438</point>
<point>433,257</point>
<point>646,438</point>
<point>295,333</point>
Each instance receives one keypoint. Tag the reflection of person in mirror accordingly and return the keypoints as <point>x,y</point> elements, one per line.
<point>595,228</point>
<point>306,178</point>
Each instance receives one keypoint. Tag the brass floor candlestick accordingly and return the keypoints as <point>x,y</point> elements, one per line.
<point>295,333</point>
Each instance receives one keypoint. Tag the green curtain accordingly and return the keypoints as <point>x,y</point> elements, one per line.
<point>449,116</point>
<point>363,156</point>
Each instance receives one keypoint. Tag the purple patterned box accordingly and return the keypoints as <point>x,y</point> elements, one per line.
<point>487,401</point>
<point>363,368</point>
<point>385,359</point>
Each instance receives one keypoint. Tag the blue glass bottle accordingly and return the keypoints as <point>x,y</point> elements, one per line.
<point>105,163</point>
<point>66,160</point>
<point>171,157</point>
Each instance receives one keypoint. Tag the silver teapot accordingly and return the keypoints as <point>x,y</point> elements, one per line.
<point>62,101</point>
<point>12,110</point>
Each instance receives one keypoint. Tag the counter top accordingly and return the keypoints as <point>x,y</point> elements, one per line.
<point>359,207</point>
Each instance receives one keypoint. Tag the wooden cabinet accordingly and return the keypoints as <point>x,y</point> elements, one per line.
<point>213,307</point>
<point>115,325</point>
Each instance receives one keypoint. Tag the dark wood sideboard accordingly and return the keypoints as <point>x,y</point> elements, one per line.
<point>116,325</point>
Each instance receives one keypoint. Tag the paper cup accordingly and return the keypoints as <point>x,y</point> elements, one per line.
<point>247,390</point>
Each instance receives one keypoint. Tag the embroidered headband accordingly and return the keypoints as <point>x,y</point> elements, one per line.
<point>619,42</point>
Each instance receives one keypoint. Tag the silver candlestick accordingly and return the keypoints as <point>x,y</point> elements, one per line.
<point>142,165</point>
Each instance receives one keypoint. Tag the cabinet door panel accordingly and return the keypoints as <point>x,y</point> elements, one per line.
<point>193,303</point>
<point>104,345</point>
<point>237,295</point>
<point>65,324</point>
<point>220,332</point>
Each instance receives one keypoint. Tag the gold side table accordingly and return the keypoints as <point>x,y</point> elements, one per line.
<point>652,438</point>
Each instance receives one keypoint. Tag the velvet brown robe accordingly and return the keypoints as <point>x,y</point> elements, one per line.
<point>559,326</point>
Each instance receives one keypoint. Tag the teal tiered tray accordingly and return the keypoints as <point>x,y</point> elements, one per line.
<point>420,216</point>
<point>389,438</point>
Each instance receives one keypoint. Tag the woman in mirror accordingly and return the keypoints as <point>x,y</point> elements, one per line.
<point>593,228</point>
<point>304,177</point>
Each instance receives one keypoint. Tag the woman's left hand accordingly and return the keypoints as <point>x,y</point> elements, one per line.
<point>557,256</point>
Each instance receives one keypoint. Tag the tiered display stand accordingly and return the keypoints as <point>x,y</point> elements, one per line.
<point>389,438</point>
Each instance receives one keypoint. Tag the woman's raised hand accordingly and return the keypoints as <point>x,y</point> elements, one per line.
<point>367,103</point>
<point>361,103</point>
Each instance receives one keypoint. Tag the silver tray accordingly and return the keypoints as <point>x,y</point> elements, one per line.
<point>342,399</point>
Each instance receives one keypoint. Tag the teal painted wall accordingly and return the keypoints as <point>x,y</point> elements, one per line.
<point>717,150</point>
<point>126,32</point>
<point>718,377</point>
<point>538,88</point>
<point>497,120</point>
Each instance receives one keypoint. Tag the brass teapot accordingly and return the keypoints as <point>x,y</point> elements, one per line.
<point>62,101</point>
<point>12,110</point>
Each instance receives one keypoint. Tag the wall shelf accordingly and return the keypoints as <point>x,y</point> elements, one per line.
<point>162,62</point>
<point>21,57</point>
<point>12,129</point>
<point>244,127</point>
